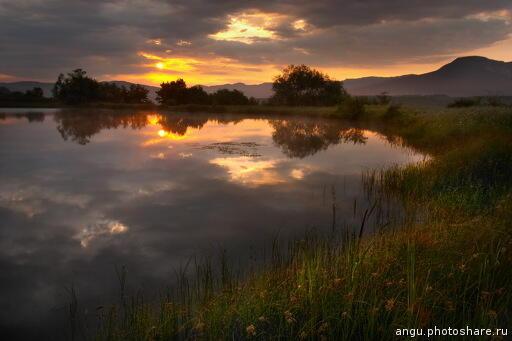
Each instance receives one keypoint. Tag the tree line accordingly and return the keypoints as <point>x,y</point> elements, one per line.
<point>78,88</point>
<point>177,93</point>
<point>297,85</point>
<point>34,96</point>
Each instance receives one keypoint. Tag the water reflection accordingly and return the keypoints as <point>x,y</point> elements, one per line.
<point>297,138</point>
<point>84,192</point>
<point>304,138</point>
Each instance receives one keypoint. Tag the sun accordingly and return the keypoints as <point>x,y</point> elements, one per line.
<point>160,65</point>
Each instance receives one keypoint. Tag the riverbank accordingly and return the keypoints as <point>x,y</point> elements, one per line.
<point>447,265</point>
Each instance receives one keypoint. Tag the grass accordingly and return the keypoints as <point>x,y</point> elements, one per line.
<point>448,264</point>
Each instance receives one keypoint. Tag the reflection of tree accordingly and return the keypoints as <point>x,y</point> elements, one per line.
<point>178,124</point>
<point>299,138</point>
<point>80,126</point>
<point>30,116</point>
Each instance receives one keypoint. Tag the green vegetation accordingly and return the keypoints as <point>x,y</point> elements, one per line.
<point>447,264</point>
<point>493,101</point>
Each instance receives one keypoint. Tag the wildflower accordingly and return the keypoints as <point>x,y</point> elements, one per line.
<point>251,330</point>
<point>303,335</point>
<point>500,291</point>
<point>262,318</point>
<point>288,316</point>
<point>449,305</point>
<point>462,267</point>
<point>337,281</point>
<point>492,314</point>
<point>390,304</point>
<point>389,283</point>
<point>374,274</point>
<point>323,328</point>
<point>349,296</point>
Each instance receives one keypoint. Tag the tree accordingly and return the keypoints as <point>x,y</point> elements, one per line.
<point>137,94</point>
<point>229,97</point>
<point>172,93</point>
<point>76,88</point>
<point>301,85</point>
<point>197,95</point>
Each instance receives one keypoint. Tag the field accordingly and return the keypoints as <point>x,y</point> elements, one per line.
<point>447,264</point>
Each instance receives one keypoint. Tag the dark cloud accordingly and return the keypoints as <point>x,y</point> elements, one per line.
<point>42,38</point>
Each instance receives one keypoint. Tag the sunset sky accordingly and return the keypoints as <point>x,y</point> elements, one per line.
<point>215,42</point>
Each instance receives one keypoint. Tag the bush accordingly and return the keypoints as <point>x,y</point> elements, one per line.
<point>392,112</point>
<point>352,108</point>
<point>465,103</point>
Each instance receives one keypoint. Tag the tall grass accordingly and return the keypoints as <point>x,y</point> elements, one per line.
<point>447,264</point>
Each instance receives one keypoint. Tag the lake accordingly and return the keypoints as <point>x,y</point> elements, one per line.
<point>86,192</point>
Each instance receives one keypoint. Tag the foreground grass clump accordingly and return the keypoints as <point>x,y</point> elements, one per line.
<point>449,265</point>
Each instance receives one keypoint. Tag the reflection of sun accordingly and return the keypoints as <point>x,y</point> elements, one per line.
<point>153,119</point>
<point>172,136</point>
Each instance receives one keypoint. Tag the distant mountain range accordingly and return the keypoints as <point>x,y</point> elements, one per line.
<point>465,76</point>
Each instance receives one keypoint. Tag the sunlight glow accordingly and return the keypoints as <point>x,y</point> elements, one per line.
<point>174,64</point>
<point>249,27</point>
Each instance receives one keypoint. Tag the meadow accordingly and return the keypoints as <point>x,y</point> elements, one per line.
<point>447,264</point>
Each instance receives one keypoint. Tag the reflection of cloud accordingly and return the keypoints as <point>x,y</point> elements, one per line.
<point>160,156</point>
<point>30,200</point>
<point>297,174</point>
<point>99,229</point>
<point>248,171</point>
<point>185,155</point>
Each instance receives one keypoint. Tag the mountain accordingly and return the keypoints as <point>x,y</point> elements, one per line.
<point>263,90</point>
<point>465,76</point>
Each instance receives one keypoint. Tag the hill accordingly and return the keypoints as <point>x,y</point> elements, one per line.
<point>465,76</point>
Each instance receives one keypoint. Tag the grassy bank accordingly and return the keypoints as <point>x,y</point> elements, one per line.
<point>448,265</point>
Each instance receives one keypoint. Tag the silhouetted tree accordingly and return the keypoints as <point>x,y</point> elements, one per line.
<point>229,97</point>
<point>383,98</point>
<point>301,85</point>
<point>76,88</point>
<point>34,95</point>
<point>197,95</point>
<point>172,93</point>
<point>136,93</point>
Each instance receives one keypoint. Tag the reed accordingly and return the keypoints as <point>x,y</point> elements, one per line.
<point>445,262</point>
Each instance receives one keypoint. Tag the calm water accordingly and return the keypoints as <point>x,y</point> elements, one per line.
<point>84,192</point>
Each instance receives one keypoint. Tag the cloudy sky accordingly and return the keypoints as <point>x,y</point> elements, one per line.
<point>215,42</point>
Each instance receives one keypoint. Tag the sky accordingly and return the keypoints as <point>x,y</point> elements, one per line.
<point>225,41</point>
